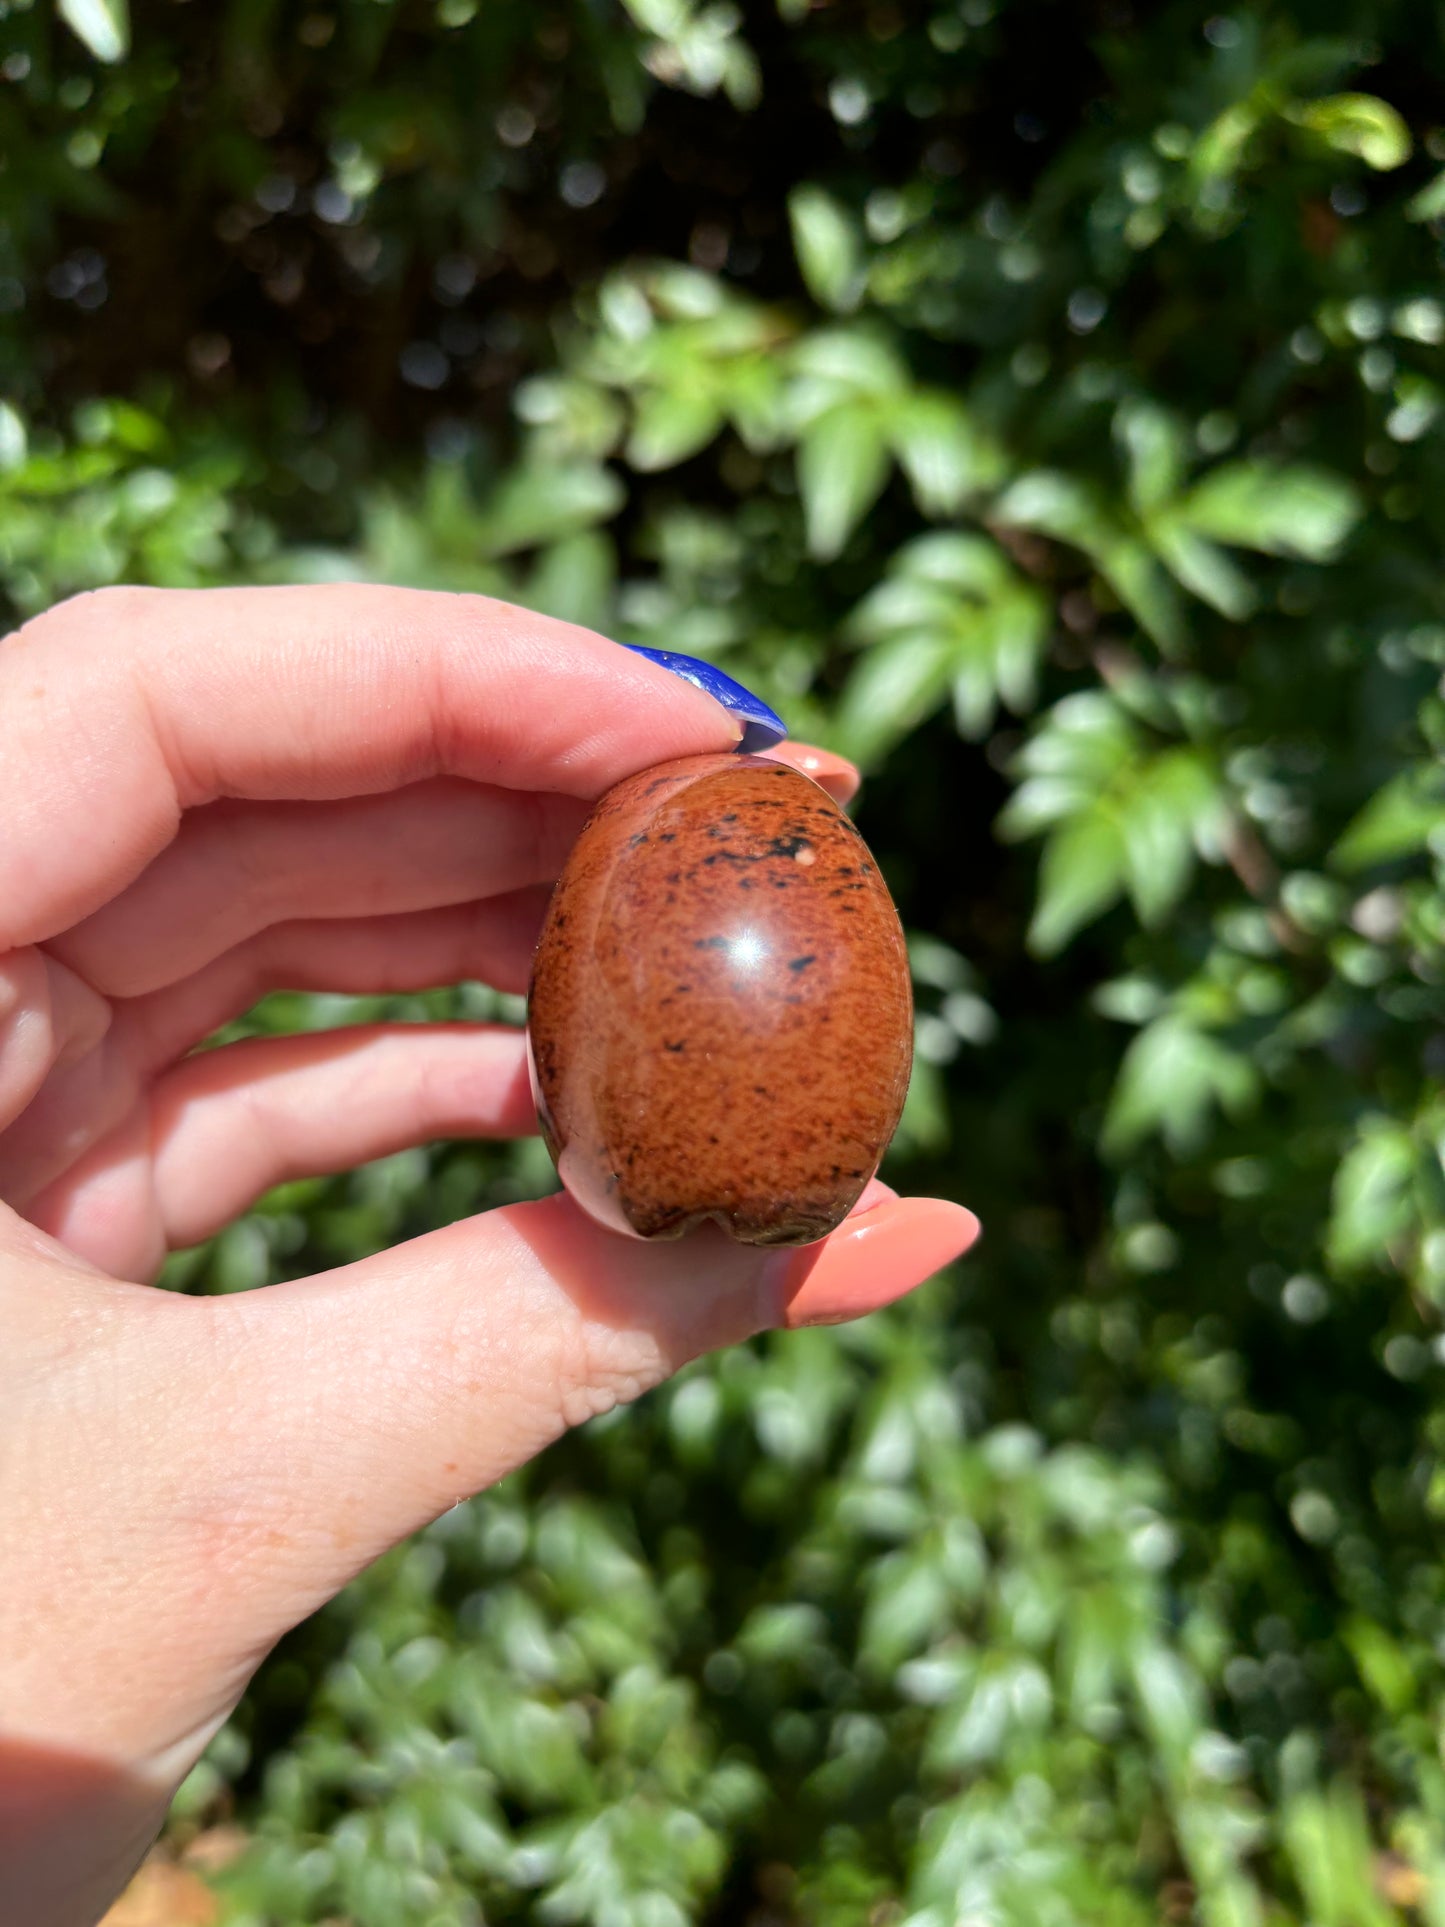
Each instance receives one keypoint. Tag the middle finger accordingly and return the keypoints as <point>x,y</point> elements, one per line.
<point>235,869</point>
<point>238,868</point>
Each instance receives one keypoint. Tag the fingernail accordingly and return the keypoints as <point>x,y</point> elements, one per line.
<point>761,726</point>
<point>874,1259</point>
<point>835,774</point>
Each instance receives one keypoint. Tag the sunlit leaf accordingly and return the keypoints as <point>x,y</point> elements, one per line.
<point>1203,568</point>
<point>895,686</point>
<point>1303,512</point>
<point>1358,124</point>
<point>1327,1839</point>
<point>537,505</point>
<point>103,25</point>
<point>13,439</point>
<point>1082,874</point>
<point>952,611</point>
<point>669,426</point>
<point>1173,1078</point>
<point>574,578</point>
<point>1398,820</point>
<point>843,463</point>
<point>1057,505</point>
<point>1372,1202</point>
<point>1429,203</point>
<point>1154,444</point>
<point>1134,574</point>
<point>944,455</point>
<point>828,247</point>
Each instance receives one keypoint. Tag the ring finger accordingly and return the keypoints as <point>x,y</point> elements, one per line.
<point>81,1102</point>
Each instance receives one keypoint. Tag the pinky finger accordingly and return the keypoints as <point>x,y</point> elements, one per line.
<point>229,1124</point>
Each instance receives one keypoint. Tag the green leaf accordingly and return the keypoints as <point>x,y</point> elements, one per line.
<point>1073,511</point>
<point>574,579</point>
<point>1383,1665</point>
<point>1058,505</point>
<point>838,365</point>
<point>1327,1840</point>
<point>828,248</point>
<point>666,18</point>
<point>897,684</point>
<point>1372,1203</point>
<point>944,456</point>
<point>1171,1698</point>
<point>1153,441</point>
<point>1358,124</point>
<point>669,426</point>
<point>1398,820</point>
<point>13,439</point>
<point>1135,576</point>
<point>1429,203</point>
<point>102,25</point>
<point>968,616</point>
<point>1202,568</point>
<point>843,463</point>
<point>539,504</point>
<point>1161,815</point>
<point>1081,876</point>
<point>1069,762</point>
<point>1173,1077</point>
<point>1221,148</point>
<point>1302,512</point>
<point>908,1602</point>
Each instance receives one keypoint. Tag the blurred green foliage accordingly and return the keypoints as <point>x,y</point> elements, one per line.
<point>1041,403</point>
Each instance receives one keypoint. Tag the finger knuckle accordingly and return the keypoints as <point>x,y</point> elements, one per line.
<point>598,1368</point>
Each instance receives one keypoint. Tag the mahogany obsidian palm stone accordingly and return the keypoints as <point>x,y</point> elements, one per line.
<point>720,1019</point>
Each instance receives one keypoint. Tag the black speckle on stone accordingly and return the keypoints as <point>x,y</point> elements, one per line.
<point>634,841</point>
<point>801,963</point>
<point>674,1047</point>
<point>712,943</point>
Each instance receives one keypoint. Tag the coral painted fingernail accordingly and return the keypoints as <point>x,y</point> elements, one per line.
<point>874,1258</point>
<point>761,726</point>
<point>835,774</point>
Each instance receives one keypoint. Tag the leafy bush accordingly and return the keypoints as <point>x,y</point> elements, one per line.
<point>1042,404</point>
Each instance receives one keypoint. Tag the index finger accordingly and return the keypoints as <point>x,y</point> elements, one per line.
<point>124,708</point>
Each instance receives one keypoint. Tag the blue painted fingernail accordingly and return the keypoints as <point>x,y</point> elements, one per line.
<point>761,727</point>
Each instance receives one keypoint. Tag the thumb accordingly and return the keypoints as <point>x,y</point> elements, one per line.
<point>375,1397</point>
<point>227,1464</point>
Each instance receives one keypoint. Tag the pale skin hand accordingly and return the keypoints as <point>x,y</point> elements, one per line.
<point>205,796</point>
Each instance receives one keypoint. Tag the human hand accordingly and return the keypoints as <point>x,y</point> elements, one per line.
<point>204,796</point>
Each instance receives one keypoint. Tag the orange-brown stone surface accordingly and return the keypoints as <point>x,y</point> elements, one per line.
<point>720,1017</point>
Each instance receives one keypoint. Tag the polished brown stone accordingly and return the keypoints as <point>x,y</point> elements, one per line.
<point>721,1019</point>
